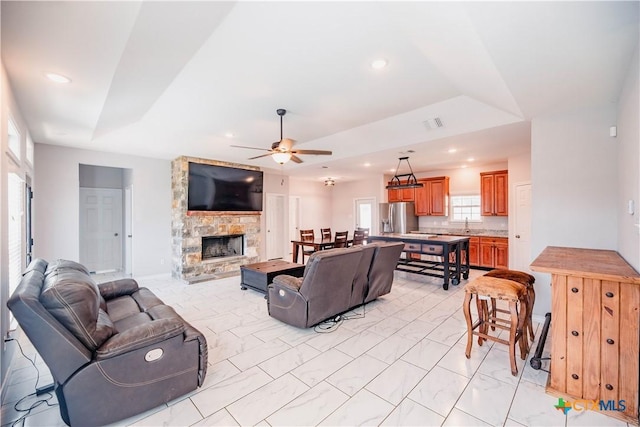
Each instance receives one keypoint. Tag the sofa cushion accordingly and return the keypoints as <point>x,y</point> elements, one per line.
<point>72,297</point>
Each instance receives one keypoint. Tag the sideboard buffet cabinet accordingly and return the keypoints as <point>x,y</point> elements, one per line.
<point>595,324</point>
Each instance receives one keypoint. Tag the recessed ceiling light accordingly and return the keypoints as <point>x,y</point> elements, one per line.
<point>379,63</point>
<point>229,135</point>
<point>58,78</point>
<point>367,164</point>
<point>451,150</point>
<point>463,166</point>
<point>471,159</point>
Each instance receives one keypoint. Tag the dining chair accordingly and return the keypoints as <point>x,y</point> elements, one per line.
<point>358,237</point>
<point>340,240</point>
<point>366,232</point>
<point>307,236</point>
<point>325,233</point>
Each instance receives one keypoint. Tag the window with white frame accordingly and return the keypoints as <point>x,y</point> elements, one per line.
<point>465,208</point>
<point>14,142</point>
<point>29,149</point>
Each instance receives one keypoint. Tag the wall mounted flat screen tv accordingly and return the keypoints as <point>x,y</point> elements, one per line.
<point>222,188</point>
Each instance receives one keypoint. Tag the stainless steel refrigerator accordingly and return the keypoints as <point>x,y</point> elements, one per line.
<point>398,217</point>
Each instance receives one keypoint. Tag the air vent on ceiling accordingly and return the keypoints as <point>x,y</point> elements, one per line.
<point>433,123</point>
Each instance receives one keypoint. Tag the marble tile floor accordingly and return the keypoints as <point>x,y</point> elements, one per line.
<point>397,362</point>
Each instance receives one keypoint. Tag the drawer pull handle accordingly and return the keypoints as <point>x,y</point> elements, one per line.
<point>609,387</point>
<point>575,376</point>
<point>574,290</point>
<point>609,294</point>
<point>575,333</point>
<point>610,341</point>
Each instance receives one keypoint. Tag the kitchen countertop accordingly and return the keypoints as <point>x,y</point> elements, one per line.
<point>461,232</point>
<point>422,237</point>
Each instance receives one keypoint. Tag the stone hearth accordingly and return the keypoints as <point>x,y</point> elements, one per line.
<point>188,228</point>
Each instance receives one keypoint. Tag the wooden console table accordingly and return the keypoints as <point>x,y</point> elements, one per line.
<point>595,321</point>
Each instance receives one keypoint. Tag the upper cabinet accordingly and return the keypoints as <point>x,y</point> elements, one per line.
<point>432,199</point>
<point>401,195</point>
<point>494,193</point>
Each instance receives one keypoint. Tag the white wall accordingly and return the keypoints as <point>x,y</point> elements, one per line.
<point>8,107</point>
<point>628,141</point>
<point>344,195</point>
<point>574,185</point>
<point>315,203</point>
<point>56,205</point>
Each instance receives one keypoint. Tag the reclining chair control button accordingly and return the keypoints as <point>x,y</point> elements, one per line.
<point>281,292</point>
<point>154,354</point>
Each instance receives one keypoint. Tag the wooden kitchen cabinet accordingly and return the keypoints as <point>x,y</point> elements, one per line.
<point>494,252</point>
<point>494,193</point>
<point>433,198</point>
<point>401,195</point>
<point>595,309</point>
<point>474,251</point>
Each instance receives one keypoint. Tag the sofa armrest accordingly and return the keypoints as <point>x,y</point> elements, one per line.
<point>117,288</point>
<point>140,336</point>
<point>286,281</point>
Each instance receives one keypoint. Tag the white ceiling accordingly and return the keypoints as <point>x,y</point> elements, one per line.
<point>164,79</point>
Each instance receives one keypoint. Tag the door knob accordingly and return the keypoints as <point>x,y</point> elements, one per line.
<point>129,235</point>
<point>115,234</point>
<point>517,236</point>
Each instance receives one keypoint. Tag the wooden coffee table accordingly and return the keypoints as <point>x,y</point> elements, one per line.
<point>259,275</point>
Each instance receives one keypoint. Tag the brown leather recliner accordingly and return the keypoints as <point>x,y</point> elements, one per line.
<point>114,350</point>
<point>334,281</point>
<point>323,291</point>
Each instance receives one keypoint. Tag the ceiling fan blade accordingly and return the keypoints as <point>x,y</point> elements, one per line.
<point>318,152</point>
<point>251,148</point>
<point>296,158</point>
<point>257,157</point>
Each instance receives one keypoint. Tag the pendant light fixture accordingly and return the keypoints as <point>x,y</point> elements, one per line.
<point>410,182</point>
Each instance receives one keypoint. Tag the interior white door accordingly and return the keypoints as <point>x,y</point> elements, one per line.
<point>522,232</point>
<point>365,214</point>
<point>128,231</point>
<point>275,217</point>
<point>101,229</point>
<point>294,222</point>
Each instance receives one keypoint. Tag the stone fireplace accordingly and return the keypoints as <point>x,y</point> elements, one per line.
<point>191,261</point>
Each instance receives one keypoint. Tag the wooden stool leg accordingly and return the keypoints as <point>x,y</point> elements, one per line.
<point>530,301</point>
<point>512,337</point>
<point>482,318</point>
<point>522,328</point>
<point>466,307</point>
<point>493,313</point>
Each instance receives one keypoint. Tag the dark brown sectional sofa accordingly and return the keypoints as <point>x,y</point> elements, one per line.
<point>334,281</point>
<point>114,349</point>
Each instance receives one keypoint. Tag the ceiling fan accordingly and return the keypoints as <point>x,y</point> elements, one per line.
<point>282,151</point>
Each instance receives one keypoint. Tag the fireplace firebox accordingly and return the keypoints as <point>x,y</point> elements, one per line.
<point>222,246</point>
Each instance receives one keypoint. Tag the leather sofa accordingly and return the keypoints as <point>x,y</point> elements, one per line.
<point>114,349</point>
<point>334,281</point>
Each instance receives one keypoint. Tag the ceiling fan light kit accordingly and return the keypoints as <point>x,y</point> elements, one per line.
<point>281,151</point>
<point>410,182</point>
<point>329,182</point>
<point>281,157</point>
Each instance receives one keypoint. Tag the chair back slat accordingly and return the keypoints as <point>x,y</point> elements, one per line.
<point>341,239</point>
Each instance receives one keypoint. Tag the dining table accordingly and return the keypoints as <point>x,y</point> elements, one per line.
<point>318,244</point>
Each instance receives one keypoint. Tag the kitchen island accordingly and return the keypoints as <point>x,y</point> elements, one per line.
<point>444,255</point>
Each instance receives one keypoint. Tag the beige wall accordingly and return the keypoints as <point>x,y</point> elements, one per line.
<point>628,142</point>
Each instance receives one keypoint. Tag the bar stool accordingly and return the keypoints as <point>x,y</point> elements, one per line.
<point>485,288</point>
<point>522,278</point>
